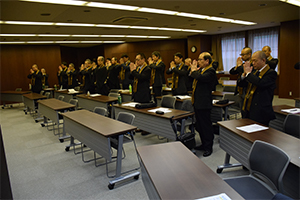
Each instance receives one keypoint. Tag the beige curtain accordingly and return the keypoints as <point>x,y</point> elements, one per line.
<point>216,48</point>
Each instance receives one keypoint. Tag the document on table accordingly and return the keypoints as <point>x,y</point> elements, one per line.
<point>123,90</point>
<point>183,97</point>
<point>252,128</point>
<point>95,95</point>
<point>168,89</point>
<point>165,110</point>
<point>292,110</point>
<point>132,104</point>
<point>72,91</point>
<point>222,196</point>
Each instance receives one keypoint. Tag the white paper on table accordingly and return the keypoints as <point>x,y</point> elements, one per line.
<point>165,110</point>
<point>132,104</point>
<point>215,101</point>
<point>292,110</point>
<point>222,196</point>
<point>183,96</point>
<point>252,128</point>
<point>168,89</point>
<point>95,95</point>
<point>72,91</point>
<point>62,89</point>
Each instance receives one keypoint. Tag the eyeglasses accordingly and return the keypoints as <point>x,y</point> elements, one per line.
<point>242,54</point>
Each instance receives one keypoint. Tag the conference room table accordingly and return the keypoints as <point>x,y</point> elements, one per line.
<point>297,102</point>
<point>171,171</point>
<point>30,101</point>
<point>227,82</point>
<point>90,102</point>
<point>164,125</point>
<point>95,131</point>
<point>51,90</point>
<point>50,108</point>
<point>67,95</point>
<point>216,111</point>
<point>12,96</point>
<point>280,116</point>
<point>237,143</point>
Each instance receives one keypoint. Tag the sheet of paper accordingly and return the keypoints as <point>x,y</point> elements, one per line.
<point>183,96</point>
<point>252,128</point>
<point>165,110</point>
<point>292,110</point>
<point>95,95</point>
<point>168,89</point>
<point>222,196</point>
<point>131,104</point>
<point>215,101</point>
<point>124,90</point>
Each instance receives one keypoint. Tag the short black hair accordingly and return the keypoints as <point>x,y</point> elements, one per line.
<point>179,55</point>
<point>64,63</point>
<point>108,59</point>
<point>124,55</point>
<point>156,53</point>
<point>142,55</point>
<point>207,57</point>
<point>211,53</point>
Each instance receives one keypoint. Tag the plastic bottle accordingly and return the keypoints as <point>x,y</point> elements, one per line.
<point>130,88</point>
<point>119,99</point>
<point>88,93</point>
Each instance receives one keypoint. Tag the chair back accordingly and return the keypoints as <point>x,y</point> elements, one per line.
<point>125,117</point>
<point>237,100</point>
<point>47,94</point>
<point>42,92</point>
<point>114,91</point>
<point>74,102</point>
<point>229,89</point>
<point>168,101</point>
<point>18,89</point>
<point>187,105</point>
<point>100,111</point>
<point>291,125</point>
<point>61,97</point>
<point>268,161</point>
<point>112,94</point>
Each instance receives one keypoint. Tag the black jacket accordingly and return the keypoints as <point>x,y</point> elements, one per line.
<point>182,79</point>
<point>142,95</point>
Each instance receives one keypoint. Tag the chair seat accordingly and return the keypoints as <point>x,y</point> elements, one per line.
<point>249,188</point>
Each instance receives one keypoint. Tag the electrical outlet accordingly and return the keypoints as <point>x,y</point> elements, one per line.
<point>290,93</point>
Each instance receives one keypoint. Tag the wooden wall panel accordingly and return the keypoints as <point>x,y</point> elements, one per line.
<point>16,60</point>
<point>202,43</point>
<point>288,57</point>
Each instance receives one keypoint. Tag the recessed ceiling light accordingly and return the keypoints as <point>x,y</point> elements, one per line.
<point>45,14</point>
<point>263,4</point>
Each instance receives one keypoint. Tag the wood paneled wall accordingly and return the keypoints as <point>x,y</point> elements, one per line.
<point>289,55</point>
<point>201,42</point>
<point>16,60</point>
<point>167,49</point>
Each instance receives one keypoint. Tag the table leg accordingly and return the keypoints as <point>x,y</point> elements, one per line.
<point>227,164</point>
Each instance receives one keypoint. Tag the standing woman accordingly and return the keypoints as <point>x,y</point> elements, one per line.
<point>44,78</point>
<point>72,76</point>
<point>36,79</point>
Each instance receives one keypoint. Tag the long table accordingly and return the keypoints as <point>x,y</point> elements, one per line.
<point>171,171</point>
<point>95,131</point>
<point>216,112</point>
<point>50,108</point>
<point>31,99</point>
<point>280,117</point>
<point>237,144</point>
<point>297,102</point>
<point>12,96</point>
<point>162,125</point>
<point>67,95</point>
<point>89,103</point>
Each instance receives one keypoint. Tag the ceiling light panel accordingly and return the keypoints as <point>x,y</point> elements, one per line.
<point>111,6</point>
<point>159,11</point>
<point>65,2</point>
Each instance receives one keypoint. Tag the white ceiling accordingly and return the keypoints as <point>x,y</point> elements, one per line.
<point>269,15</point>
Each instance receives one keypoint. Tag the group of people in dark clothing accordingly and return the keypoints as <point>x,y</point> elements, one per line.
<point>39,79</point>
<point>255,85</point>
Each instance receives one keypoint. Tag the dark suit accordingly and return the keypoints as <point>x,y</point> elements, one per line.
<point>142,94</point>
<point>182,74</point>
<point>72,79</point>
<point>45,80</point>
<point>203,105</point>
<point>127,81</point>
<point>100,74</point>
<point>158,78</point>
<point>261,109</point>
<point>215,65</point>
<point>88,80</point>
<point>63,78</point>
<point>36,81</point>
<point>239,70</point>
<point>272,63</point>
<point>113,80</point>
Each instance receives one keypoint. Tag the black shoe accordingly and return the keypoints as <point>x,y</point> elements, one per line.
<point>207,153</point>
<point>145,133</point>
<point>200,147</point>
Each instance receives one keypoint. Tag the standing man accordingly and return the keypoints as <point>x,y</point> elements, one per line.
<point>179,73</point>
<point>189,80</point>
<point>204,82</point>
<point>215,64</point>
<point>141,74</point>
<point>87,76</point>
<point>260,83</point>
<point>44,78</point>
<point>157,66</point>
<point>62,75</point>
<point>113,73</point>
<point>125,72</point>
<point>272,62</point>
<point>36,79</point>
<point>72,76</point>
<point>100,74</point>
